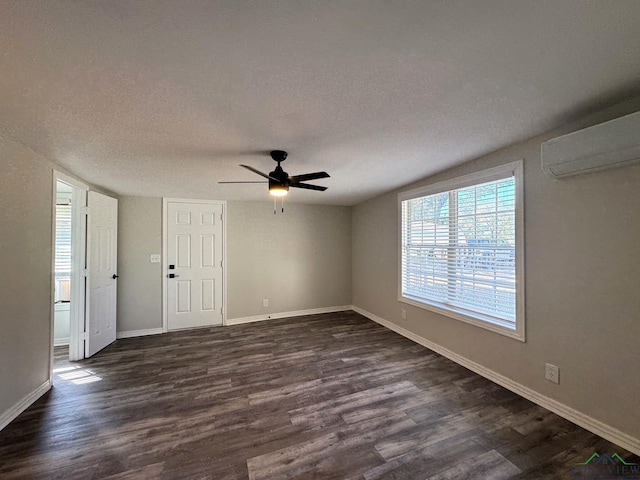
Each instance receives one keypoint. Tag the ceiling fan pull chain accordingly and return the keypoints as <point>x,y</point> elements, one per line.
<point>282,204</point>
<point>275,204</point>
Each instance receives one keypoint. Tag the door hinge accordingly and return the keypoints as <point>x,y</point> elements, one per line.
<point>221,312</point>
<point>85,272</point>
<point>220,217</point>
<point>221,264</point>
<point>85,210</point>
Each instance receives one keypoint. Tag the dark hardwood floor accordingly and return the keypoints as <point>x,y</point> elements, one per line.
<point>332,396</point>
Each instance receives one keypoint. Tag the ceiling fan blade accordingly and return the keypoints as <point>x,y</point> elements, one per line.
<point>308,176</point>
<point>257,181</point>
<point>260,173</point>
<point>308,186</point>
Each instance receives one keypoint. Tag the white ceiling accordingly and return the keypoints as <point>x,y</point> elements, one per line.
<point>166,98</point>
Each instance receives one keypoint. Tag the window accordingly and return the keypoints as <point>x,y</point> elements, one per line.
<point>462,249</point>
<point>63,253</point>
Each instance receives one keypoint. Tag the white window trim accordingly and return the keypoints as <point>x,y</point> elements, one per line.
<point>515,169</point>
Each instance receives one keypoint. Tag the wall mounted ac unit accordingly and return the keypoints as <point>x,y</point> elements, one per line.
<point>611,144</point>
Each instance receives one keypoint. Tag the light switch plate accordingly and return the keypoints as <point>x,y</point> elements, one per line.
<point>154,258</point>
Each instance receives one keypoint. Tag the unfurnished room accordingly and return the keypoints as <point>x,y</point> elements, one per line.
<point>341,239</point>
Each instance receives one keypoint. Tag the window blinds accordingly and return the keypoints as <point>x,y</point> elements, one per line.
<point>63,241</point>
<point>458,250</point>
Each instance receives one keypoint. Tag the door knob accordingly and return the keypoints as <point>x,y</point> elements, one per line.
<point>173,275</point>
<point>115,276</point>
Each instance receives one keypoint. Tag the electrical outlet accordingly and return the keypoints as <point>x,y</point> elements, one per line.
<point>552,373</point>
<point>154,258</point>
<point>403,314</point>
<point>265,302</point>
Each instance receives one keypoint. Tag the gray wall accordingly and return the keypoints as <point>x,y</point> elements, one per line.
<point>582,242</point>
<point>26,249</point>
<point>140,281</point>
<point>582,256</point>
<point>310,245</point>
<point>26,207</point>
<point>299,260</point>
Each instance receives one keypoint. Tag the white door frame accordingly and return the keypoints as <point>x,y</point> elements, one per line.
<point>165,263</point>
<point>78,255</point>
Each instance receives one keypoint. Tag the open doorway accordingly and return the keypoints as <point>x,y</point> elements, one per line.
<point>69,247</point>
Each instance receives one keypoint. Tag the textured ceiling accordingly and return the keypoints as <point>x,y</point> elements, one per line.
<point>166,98</point>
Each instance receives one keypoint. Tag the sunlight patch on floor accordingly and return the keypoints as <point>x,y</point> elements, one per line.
<point>76,375</point>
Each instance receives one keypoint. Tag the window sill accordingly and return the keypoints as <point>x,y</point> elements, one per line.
<point>479,320</point>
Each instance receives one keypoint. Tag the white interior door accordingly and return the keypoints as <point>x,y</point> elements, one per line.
<point>102,238</point>
<point>194,264</point>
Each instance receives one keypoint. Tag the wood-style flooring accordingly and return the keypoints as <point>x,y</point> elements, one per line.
<point>331,396</point>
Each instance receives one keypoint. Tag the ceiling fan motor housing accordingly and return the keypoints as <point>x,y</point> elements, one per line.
<point>281,176</point>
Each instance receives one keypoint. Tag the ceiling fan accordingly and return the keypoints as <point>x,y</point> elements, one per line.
<point>280,181</point>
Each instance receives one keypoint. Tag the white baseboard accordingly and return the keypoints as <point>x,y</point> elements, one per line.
<point>588,423</point>
<point>139,333</point>
<point>10,415</point>
<point>61,342</point>
<point>296,313</point>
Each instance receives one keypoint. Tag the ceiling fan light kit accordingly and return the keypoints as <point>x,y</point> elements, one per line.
<point>277,189</point>
<point>280,181</point>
